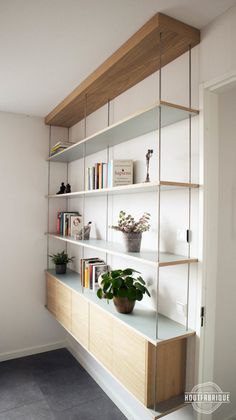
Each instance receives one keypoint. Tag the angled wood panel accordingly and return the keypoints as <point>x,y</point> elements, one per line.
<point>135,60</point>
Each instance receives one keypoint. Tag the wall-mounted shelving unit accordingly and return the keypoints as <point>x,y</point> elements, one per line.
<point>154,345</point>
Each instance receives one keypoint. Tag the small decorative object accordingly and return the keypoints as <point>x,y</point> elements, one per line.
<point>61,259</point>
<point>68,189</point>
<point>62,189</point>
<point>84,232</point>
<point>148,157</point>
<point>132,230</point>
<point>124,287</point>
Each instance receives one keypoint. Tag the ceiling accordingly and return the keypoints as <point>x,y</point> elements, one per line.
<point>47,47</point>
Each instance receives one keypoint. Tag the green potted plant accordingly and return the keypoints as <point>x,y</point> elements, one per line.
<point>61,259</point>
<point>124,287</point>
<point>132,230</point>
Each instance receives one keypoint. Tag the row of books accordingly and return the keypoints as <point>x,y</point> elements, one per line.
<point>59,146</point>
<point>115,173</point>
<point>91,269</point>
<point>69,223</point>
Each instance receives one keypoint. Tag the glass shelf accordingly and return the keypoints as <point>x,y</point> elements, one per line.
<point>128,189</point>
<point>141,320</point>
<point>111,248</point>
<point>127,129</point>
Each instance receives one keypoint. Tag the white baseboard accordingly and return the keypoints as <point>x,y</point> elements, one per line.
<point>129,406</point>
<point>32,350</point>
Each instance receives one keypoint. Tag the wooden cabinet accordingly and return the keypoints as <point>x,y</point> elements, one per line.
<point>63,307</point>
<point>59,301</point>
<point>51,293</point>
<point>80,319</point>
<point>101,336</point>
<point>129,360</point>
<point>153,374</point>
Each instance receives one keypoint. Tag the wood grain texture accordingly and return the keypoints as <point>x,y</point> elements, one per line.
<point>101,336</point>
<point>171,367</point>
<point>135,60</point>
<point>63,305</point>
<point>51,283</point>
<point>80,319</point>
<point>129,360</point>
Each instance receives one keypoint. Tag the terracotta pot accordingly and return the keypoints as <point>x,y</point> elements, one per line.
<point>132,241</point>
<point>123,304</point>
<point>60,268</point>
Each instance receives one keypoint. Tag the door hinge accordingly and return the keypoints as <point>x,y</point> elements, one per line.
<point>202,315</point>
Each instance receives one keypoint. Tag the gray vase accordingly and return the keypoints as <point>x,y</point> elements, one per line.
<point>132,241</point>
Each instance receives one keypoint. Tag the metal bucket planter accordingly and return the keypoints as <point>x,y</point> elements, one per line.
<point>132,241</point>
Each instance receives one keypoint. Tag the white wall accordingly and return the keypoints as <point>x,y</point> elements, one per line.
<point>225,315</point>
<point>217,49</point>
<point>24,322</point>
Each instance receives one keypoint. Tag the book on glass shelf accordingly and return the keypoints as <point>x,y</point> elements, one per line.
<point>90,269</point>
<point>64,222</point>
<point>120,172</point>
<point>59,146</point>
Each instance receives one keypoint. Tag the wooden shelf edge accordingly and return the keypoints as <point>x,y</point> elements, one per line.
<point>112,77</point>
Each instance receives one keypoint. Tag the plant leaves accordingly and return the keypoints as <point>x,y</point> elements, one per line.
<point>100,293</point>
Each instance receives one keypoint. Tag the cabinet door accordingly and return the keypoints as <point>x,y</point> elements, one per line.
<point>101,333</point>
<point>129,360</point>
<point>63,309</point>
<point>80,319</point>
<point>51,293</point>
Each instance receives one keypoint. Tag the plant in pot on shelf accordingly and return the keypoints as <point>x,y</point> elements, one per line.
<point>61,259</point>
<point>132,230</point>
<point>124,287</point>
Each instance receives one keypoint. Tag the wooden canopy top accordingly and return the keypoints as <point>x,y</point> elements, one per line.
<point>135,60</point>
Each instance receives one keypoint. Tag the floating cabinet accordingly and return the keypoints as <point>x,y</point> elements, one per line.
<point>80,319</point>
<point>101,336</point>
<point>152,373</point>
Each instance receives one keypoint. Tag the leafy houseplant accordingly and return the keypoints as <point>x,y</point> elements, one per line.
<point>124,287</point>
<point>132,230</point>
<point>61,259</point>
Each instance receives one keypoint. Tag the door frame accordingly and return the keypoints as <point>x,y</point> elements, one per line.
<point>208,220</point>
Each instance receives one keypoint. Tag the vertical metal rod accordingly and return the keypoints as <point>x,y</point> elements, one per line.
<point>158,215</point>
<point>107,161</point>
<point>67,180</point>
<point>49,177</point>
<point>159,178</point>
<point>190,179</point>
<point>84,173</point>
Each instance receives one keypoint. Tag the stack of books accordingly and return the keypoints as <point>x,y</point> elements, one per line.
<point>116,173</point>
<point>91,269</point>
<point>97,176</point>
<point>59,146</point>
<point>69,223</point>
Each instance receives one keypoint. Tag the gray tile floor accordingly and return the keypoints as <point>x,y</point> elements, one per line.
<point>52,386</point>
